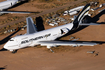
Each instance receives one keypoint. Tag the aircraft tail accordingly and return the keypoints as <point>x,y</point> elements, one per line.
<point>82,14</point>
<point>31,28</point>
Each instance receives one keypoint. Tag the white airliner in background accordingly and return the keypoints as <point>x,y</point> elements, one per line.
<point>73,11</point>
<point>47,37</point>
<point>7,4</point>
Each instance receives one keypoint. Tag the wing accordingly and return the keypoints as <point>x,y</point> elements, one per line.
<point>19,12</point>
<point>50,44</point>
<point>31,28</point>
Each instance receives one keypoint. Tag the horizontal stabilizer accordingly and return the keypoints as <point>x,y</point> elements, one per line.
<point>86,24</point>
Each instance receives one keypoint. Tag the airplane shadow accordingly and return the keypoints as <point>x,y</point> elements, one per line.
<point>39,23</point>
<point>3,49</point>
<point>98,42</point>
<point>2,68</point>
<point>96,18</point>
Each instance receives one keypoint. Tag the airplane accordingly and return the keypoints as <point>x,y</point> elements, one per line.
<point>47,37</point>
<point>73,11</point>
<point>7,4</point>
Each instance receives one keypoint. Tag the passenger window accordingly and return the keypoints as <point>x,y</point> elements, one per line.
<point>12,39</point>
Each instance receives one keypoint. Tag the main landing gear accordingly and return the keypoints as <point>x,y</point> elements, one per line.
<point>51,50</point>
<point>14,51</point>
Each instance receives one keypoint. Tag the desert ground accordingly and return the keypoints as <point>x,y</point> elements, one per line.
<point>64,57</point>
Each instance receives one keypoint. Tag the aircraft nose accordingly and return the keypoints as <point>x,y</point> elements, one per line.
<point>6,46</point>
<point>10,45</point>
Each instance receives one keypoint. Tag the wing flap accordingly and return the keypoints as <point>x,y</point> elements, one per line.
<point>66,43</point>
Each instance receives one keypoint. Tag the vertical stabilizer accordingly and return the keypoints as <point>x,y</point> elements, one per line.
<point>31,28</point>
<point>81,15</point>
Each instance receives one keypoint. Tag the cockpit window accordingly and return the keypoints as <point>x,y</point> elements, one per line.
<point>11,39</point>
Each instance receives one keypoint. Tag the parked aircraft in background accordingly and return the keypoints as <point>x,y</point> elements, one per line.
<point>47,37</point>
<point>7,4</point>
<point>73,11</point>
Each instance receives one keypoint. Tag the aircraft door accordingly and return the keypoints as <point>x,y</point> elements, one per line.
<point>64,31</point>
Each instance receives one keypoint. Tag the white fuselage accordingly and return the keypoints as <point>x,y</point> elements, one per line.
<point>33,39</point>
<point>7,4</point>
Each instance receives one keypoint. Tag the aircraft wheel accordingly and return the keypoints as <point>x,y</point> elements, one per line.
<point>14,51</point>
<point>1,14</point>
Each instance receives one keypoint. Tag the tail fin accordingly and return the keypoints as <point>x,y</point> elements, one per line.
<point>31,28</point>
<point>81,15</point>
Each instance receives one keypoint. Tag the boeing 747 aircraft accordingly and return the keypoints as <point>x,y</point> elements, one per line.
<point>47,37</point>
